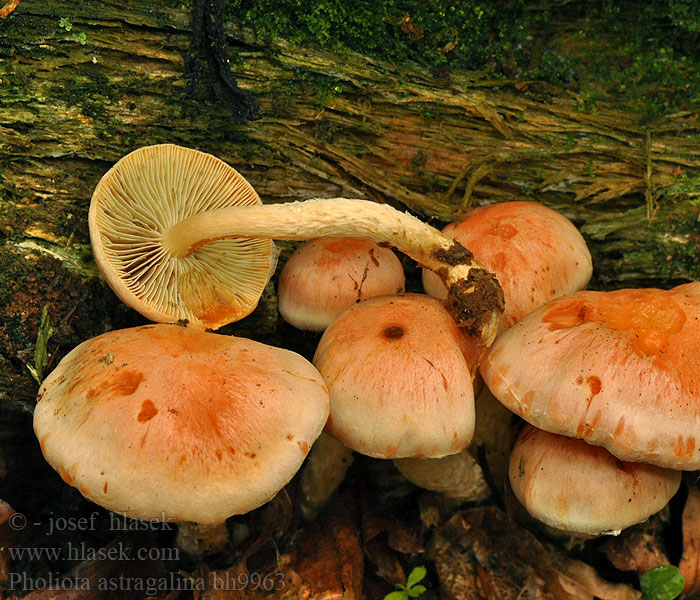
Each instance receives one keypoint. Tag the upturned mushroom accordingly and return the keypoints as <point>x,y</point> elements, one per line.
<point>325,276</point>
<point>582,489</point>
<point>168,423</point>
<point>617,369</point>
<point>171,238</point>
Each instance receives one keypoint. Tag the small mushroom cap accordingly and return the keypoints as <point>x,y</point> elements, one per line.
<point>579,488</point>
<point>399,372</point>
<point>618,369</point>
<point>535,252</point>
<point>142,196</point>
<point>325,276</point>
<point>165,422</point>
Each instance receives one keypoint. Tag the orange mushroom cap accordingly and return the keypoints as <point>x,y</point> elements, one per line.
<point>535,252</point>
<point>325,276</point>
<point>618,369</point>
<point>399,372</point>
<point>579,488</point>
<point>170,423</point>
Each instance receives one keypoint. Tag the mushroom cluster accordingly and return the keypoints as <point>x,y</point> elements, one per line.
<point>180,424</point>
<point>618,370</point>
<point>182,237</point>
<point>536,254</point>
<point>546,366</point>
<point>401,376</point>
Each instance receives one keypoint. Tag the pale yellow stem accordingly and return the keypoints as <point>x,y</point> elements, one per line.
<point>475,298</point>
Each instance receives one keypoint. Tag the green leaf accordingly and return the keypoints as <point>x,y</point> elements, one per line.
<point>416,591</point>
<point>415,576</point>
<point>41,357</point>
<point>662,583</point>
<point>33,373</point>
<point>398,595</point>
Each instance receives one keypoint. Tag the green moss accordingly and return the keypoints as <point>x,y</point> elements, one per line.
<point>685,14</point>
<point>9,192</point>
<point>433,33</point>
<point>645,55</point>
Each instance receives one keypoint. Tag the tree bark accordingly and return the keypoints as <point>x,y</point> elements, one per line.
<point>332,125</point>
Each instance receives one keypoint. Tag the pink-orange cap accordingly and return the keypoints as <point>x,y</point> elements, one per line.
<point>170,423</point>
<point>399,372</point>
<point>535,252</point>
<point>325,276</point>
<point>618,369</point>
<point>579,488</point>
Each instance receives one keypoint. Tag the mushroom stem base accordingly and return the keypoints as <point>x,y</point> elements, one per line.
<point>455,476</point>
<point>198,540</point>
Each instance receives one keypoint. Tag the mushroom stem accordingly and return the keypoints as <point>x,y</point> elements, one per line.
<point>456,476</point>
<point>197,540</point>
<point>475,297</point>
<point>324,471</point>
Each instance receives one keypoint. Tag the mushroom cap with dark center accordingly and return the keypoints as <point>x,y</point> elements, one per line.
<point>618,369</point>
<point>138,200</point>
<point>399,372</point>
<point>536,253</point>
<point>579,488</point>
<point>170,423</point>
<point>325,276</point>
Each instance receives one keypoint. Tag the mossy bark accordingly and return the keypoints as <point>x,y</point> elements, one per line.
<point>332,125</point>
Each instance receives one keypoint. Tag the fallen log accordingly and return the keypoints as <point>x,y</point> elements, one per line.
<point>330,125</point>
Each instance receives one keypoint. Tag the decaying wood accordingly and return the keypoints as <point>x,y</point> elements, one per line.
<point>690,559</point>
<point>480,553</point>
<point>325,563</point>
<point>638,548</point>
<point>330,126</point>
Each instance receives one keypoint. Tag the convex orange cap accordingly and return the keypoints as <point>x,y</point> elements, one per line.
<point>579,488</point>
<point>325,276</point>
<point>399,372</point>
<point>165,422</point>
<point>617,369</point>
<point>535,252</point>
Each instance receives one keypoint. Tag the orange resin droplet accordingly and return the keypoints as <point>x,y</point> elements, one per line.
<point>651,316</point>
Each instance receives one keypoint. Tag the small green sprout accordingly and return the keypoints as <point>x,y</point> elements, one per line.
<point>80,37</point>
<point>665,582</point>
<point>410,590</point>
<point>41,357</point>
